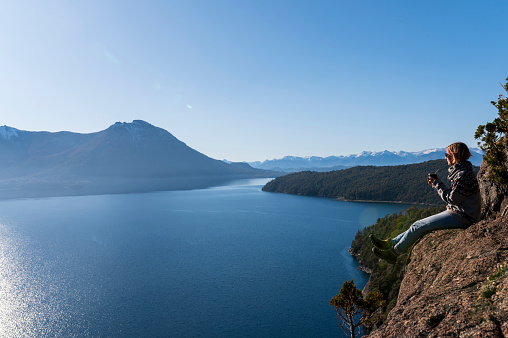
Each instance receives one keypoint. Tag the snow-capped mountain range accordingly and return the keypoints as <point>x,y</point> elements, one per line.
<point>316,163</point>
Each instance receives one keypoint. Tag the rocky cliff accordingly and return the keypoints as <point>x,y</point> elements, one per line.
<point>456,281</point>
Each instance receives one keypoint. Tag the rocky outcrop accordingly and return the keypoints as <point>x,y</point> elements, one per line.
<point>494,197</point>
<point>456,281</point>
<point>456,284</point>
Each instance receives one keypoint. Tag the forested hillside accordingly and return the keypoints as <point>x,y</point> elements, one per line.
<point>383,276</point>
<point>404,183</point>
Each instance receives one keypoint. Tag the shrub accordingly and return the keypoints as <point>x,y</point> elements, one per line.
<point>493,138</point>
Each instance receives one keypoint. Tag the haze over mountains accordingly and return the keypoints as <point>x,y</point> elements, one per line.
<point>126,157</point>
<point>137,156</point>
<point>383,158</point>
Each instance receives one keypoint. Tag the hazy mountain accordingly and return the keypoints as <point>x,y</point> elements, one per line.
<point>315,163</point>
<point>125,157</point>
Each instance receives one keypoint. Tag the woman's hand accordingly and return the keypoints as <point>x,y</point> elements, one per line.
<point>430,180</point>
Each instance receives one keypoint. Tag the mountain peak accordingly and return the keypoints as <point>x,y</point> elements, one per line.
<point>138,129</point>
<point>7,132</point>
<point>126,157</point>
<point>135,124</point>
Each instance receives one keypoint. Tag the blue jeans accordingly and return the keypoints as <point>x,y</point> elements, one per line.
<point>443,220</point>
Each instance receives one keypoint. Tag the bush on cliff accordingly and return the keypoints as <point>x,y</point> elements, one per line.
<point>493,138</point>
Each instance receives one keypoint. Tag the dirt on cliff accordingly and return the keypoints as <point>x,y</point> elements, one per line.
<point>456,281</point>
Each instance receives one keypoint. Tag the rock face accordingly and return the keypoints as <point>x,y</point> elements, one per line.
<point>455,285</point>
<point>456,281</point>
<point>494,197</point>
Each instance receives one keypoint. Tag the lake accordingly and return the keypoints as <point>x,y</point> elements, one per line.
<point>229,261</point>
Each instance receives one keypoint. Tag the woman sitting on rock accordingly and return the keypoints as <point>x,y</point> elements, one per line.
<point>462,199</point>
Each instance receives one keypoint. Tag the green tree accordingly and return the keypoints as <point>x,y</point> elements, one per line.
<point>493,138</point>
<point>356,314</point>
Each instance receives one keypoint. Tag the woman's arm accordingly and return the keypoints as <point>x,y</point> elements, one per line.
<point>459,190</point>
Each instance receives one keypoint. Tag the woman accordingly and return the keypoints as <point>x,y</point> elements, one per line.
<point>463,205</point>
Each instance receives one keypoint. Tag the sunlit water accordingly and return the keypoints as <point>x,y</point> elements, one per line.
<point>228,261</point>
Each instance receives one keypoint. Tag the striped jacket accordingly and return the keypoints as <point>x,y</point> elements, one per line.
<point>463,197</point>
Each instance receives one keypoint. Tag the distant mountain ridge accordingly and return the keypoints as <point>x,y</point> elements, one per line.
<point>382,158</point>
<point>126,157</point>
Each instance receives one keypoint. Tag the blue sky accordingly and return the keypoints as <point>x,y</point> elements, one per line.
<point>256,80</point>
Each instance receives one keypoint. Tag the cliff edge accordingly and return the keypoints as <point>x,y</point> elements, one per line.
<point>456,281</point>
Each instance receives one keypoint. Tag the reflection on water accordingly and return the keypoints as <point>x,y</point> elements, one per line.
<point>37,297</point>
<point>227,261</point>
<point>20,302</point>
<point>254,183</point>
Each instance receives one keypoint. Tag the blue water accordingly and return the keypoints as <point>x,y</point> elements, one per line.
<point>229,261</point>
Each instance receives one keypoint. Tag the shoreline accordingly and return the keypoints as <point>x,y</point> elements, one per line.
<point>342,199</point>
<point>364,269</point>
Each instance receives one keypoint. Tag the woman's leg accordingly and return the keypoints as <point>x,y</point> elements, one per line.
<point>396,240</point>
<point>440,221</point>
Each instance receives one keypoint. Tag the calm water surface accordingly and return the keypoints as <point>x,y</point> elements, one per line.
<point>229,261</point>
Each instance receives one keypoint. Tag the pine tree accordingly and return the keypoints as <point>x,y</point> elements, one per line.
<point>354,313</point>
<point>494,140</point>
